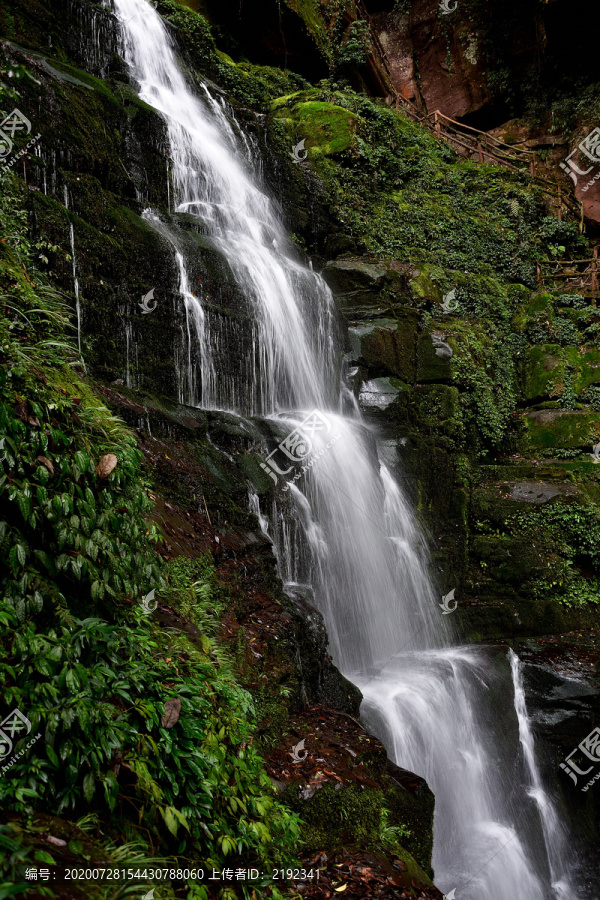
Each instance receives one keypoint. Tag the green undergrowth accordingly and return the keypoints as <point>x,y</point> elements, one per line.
<point>403,193</point>
<point>79,658</point>
<point>568,536</point>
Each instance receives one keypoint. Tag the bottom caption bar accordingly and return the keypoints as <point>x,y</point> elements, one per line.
<point>50,874</point>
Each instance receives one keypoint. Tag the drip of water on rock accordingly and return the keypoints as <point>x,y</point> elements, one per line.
<point>75,278</point>
<point>344,528</point>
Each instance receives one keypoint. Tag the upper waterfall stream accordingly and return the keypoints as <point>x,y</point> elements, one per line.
<point>345,528</point>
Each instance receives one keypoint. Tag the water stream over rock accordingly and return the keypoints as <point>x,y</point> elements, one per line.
<point>342,525</point>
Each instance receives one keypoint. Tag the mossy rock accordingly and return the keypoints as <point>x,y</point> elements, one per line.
<point>437,407</point>
<point>564,429</point>
<point>356,283</point>
<point>391,350</point>
<point>433,359</point>
<point>333,817</point>
<point>509,560</point>
<point>538,305</point>
<point>423,285</point>
<point>328,129</point>
<point>414,873</point>
<point>340,815</point>
<point>550,368</point>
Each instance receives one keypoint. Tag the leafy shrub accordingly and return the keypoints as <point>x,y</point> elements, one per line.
<point>77,655</point>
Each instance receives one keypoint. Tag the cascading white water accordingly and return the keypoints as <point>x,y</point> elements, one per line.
<point>351,536</point>
<point>75,278</point>
<point>554,829</point>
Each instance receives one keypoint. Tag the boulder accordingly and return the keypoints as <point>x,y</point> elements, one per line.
<point>557,428</point>
<point>434,355</point>
<point>549,367</point>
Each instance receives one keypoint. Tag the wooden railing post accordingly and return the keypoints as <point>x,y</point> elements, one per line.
<point>533,165</point>
<point>559,205</point>
<point>436,123</point>
<point>479,151</point>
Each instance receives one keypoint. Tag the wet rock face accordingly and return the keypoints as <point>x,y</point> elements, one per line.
<point>563,699</point>
<point>437,60</point>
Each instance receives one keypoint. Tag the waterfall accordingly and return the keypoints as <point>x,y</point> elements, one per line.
<point>75,278</point>
<point>554,830</point>
<point>342,526</point>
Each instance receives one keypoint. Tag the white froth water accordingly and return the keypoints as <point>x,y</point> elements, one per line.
<point>75,278</point>
<point>341,524</point>
<point>555,833</point>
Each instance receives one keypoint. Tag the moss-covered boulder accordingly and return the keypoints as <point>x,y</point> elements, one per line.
<point>552,371</point>
<point>327,129</point>
<point>559,428</point>
<point>389,348</point>
<point>434,354</point>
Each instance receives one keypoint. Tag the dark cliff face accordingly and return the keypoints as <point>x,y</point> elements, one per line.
<point>487,62</point>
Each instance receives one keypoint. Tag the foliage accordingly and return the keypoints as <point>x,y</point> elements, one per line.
<point>77,655</point>
<point>253,86</point>
<point>64,531</point>
<point>355,46</point>
<point>576,527</point>
<point>574,530</point>
<point>390,836</point>
<point>404,194</point>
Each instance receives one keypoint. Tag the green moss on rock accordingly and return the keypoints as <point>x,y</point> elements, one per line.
<point>549,429</point>
<point>328,129</point>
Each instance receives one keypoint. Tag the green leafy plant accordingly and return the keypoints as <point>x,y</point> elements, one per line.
<point>390,836</point>
<point>142,725</point>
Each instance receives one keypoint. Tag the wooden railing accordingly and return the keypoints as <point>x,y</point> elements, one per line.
<point>579,275</point>
<point>471,142</point>
<point>485,148</point>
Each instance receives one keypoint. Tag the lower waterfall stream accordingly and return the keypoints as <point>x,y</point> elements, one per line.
<point>344,528</point>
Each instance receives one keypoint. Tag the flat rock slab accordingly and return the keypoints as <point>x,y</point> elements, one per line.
<point>538,492</point>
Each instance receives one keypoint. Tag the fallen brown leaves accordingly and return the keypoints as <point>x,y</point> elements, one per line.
<point>361,874</point>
